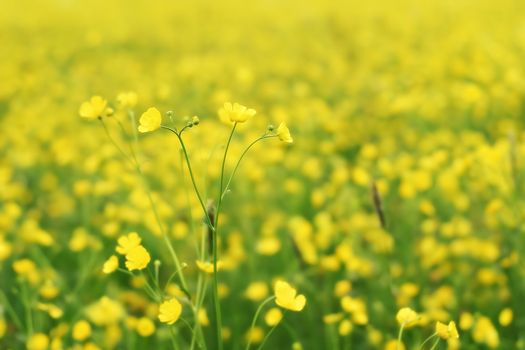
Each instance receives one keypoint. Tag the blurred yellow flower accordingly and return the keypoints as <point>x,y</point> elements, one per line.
<point>345,328</point>
<point>24,266</point>
<point>255,335</point>
<point>105,312</point>
<point>81,330</point>
<point>110,265</point>
<point>273,317</point>
<point>3,327</point>
<point>407,317</point>
<point>169,311</point>
<point>127,99</point>
<point>150,120</point>
<point>238,113</point>
<point>207,267</point>
<point>53,310</point>
<point>137,258</point>
<point>505,317</point>
<point>287,298</point>
<point>484,332</point>
<point>447,331</point>
<point>256,291</point>
<point>284,133</point>
<point>145,327</point>
<point>38,341</point>
<point>128,242</point>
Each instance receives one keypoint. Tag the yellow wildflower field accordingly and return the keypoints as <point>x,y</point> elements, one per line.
<point>262,175</point>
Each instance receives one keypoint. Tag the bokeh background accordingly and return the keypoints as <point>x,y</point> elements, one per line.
<point>424,99</point>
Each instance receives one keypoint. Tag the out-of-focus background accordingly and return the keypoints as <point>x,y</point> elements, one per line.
<point>423,100</point>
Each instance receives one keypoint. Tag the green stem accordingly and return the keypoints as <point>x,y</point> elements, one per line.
<point>190,170</point>
<point>135,162</point>
<point>267,336</point>
<point>240,159</point>
<point>254,320</point>
<point>10,310</point>
<point>173,338</point>
<point>435,344</point>
<point>216,301</point>
<point>399,336</point>
<point>427,340</point>
<point>27,306</point>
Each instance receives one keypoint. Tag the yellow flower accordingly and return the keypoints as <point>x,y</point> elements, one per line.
<point>127,99</point>
<point>38,341</point>
<point>345,327</point>
<point>137,258</point>
<point>447,331</point>
<point>235,113</point>
<point>81,330</point>
<point>105,312</point>
<point>150,120</point>
<point>110,265</point>
<point>273,317</point>
<point>128,242</point>
<point>145,327</point>
<point>284,133</point>
<point>24,266</point>
<point>53,310</point>
<point>505,317</point>
<point>287,298</point>
<point>3,327</point>
<point>169,311</point>
<point>407,317</point>
<point>255,335</point>
<point>256,291</point>
<point>203,317</point>
<point>94,108</point>
<point>207,267</point>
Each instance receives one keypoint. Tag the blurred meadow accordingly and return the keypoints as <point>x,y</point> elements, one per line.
<point>394,220</point>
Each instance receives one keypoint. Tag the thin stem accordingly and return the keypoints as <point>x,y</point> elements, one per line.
<point>194,183</point>
<point>435,344</point>
<point>173,338</point>
<point>240,159</point>
<point>399,336</point>
<point>27,306</point>
<point>216,301</point>
<point>112,140</point>
<point>10,310</point>
<point>259,309</point>
<point>427,340</point>
<point>136,164</point>
<point>267,336</point>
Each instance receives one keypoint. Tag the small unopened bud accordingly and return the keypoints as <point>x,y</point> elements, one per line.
<point>157,263</point>
<point>169,114</point>
<point>270,127</point>
<point>109,112</point>
<point>195,120</point>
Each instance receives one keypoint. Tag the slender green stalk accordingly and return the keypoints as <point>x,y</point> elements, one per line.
<point>435,344</point>
<point>138,168</point>
<point>254,320</point>
<point>27,306</point>
<point>240,159</point>
<point>173,338</point>
<point>427,340</point>
<point>399,336</point>
<point>194,183</point>
<point>216,301</point>
<point>10,310</point>
<point>267,336</point>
